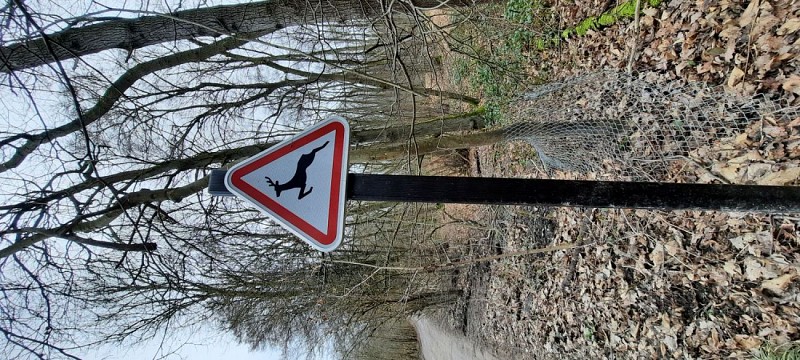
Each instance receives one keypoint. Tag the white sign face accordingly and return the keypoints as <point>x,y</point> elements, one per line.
<point>300,182</point>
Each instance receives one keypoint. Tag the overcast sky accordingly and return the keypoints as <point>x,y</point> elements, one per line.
<point>190,344</point>
<point>205,342</point>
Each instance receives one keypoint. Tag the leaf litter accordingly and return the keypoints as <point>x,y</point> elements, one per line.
<point>653,284</point>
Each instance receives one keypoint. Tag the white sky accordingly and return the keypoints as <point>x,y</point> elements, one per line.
<point>190,344</point>
<point>205,343</point>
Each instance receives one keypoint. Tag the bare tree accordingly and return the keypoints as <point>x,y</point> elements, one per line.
<point>107,233</point>
<point>98,32</point>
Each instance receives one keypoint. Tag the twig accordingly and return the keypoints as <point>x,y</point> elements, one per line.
<point>703,168</point>
<point>635,44</point>
<point>573,261</point>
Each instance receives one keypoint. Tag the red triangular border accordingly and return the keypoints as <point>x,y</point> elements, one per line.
<point>329,236</point>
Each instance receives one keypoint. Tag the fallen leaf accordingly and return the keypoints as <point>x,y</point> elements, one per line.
<point>650,11</point>
<point>792,84</point>
<point>657,256</point>
<point>747,342</point>
<point>790,26</point>
<point>731,268</point>
<point>777,285</point>
<point>730,173</point>
<point>735,77</point>
<point>741,141</point>
<point>740,242</point>
<point>756,171</point>
<point>765,22</point>
<point>749,14</point>
<point>764,238</point>
<point>752,269</point>
<point>705,67</point>
<point>764,63</point>
<point>731,32</point>
<point>780,178</point>
<point>672,248</point>
<point>775,131</point>
<point>671,342</point>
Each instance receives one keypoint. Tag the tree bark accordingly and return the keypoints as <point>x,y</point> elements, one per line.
<point>131,34</point>
<point>434,127</point>
<point>425,146</point>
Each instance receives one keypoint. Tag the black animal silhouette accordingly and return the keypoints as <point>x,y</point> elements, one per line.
<point>298,181</point>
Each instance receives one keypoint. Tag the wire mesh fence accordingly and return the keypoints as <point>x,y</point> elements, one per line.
<point>623,127</point>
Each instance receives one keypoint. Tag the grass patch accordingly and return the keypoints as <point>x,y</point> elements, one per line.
<point>626,10</point>
<point>789,351</point>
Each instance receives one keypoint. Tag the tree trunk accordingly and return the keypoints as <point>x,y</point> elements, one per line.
<point>130,34</point>
<point>434,127</point>
<point>425,146</point>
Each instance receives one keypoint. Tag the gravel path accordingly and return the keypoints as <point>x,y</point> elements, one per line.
<point>437,343</point>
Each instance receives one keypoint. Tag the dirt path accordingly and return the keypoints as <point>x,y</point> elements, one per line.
<point>437,343</point>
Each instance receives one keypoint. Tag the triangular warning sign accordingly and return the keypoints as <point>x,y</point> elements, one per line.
<point>300,182</point>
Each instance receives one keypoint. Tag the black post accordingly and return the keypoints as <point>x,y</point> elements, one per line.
<point>603,194</point>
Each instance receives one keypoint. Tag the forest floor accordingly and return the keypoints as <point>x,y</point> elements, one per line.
<point>641,283</point>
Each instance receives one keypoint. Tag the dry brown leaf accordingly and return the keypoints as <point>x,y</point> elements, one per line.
<point>761,152</point>
<point>729,172</point>
<point>785,52</point>
<point>705,67</point>
<point>749,14</point>
<point>781,177</point>
<point>765,22</point>
<point>731,268</point>
<point>750,156</point>
<point>735,77</point>
<point>740,242</point>
<point>764,63</point>
<point>650,12</point>
<point>789,27</point>
<point>741,141</point>
<point>792,84</point>
<point>671,342</point>
<point>657,256</point>
<point>747,342</point>
<point>757,171</point>
<point>731,32</point>
<point>775,131</point>
<point>673,247</point>
<point>753,270</point>
<point>777,285</point>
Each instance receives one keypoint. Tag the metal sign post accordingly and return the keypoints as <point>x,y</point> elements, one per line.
<point>599,194</point>
<point>303,183</point>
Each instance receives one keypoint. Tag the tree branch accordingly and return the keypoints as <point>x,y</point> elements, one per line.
<point>111,96</point>
<point>108,215</point>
